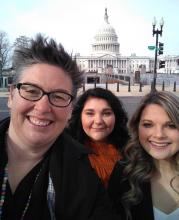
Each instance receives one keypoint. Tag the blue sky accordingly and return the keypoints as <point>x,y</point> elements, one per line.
<point>75,22</point>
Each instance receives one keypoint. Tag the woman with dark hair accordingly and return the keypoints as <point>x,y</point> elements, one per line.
<point>99,122</point>
<point>146,183</point>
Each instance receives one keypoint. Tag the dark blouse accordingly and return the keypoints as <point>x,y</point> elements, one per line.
<point>13,209</point>
<point>15,203</point>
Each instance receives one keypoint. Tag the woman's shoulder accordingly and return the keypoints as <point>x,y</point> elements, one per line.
<point>118,169</point>
<point>117,179</point>
<point>117,186</point>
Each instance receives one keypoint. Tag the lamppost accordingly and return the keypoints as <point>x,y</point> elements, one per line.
<point>156,32</point>
<point>0,71</point>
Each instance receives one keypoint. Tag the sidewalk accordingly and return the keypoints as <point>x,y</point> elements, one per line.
<point>4,94</point>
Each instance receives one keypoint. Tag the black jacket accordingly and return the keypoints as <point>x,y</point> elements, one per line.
<point>79,194</point>
<point>142,211</point>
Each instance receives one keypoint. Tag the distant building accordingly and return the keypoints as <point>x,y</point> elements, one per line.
<point>171,65</point>
<point>106,58</point>
<point>6,78</point>
<point>106,63</point>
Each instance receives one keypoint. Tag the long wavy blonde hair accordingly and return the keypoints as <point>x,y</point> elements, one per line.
<point>140,165</point>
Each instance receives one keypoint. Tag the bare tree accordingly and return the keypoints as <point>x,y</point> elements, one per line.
<point>22,41</point>
<point>4,51</point>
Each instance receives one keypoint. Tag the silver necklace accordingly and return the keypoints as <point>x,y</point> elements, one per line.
<point>29,198</point>
<point>3,190</point>
<point>3,193</point>
<point>171,183</point>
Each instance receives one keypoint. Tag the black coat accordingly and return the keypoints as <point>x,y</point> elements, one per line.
<point>79,194</point>
<point>142,211</point>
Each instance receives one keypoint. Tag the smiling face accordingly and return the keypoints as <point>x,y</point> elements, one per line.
<point>157,133</point>
<point>98,119</point>
<point>38,123</point>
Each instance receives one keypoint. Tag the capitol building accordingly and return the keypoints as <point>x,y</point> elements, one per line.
<point>106,63</point>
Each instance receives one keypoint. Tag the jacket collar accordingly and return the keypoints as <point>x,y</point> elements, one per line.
<point>72,147</point>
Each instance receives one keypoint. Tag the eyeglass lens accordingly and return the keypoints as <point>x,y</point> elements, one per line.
<point>33,93</point>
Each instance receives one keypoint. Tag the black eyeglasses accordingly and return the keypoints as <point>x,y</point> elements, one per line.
<point>34,93</point>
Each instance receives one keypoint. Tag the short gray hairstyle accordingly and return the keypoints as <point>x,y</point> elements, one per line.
<point>46,50</point>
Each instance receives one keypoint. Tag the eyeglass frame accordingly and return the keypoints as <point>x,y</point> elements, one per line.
<point>18,86</point>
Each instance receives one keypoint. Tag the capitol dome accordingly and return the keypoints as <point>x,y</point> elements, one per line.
<point>106,40</point>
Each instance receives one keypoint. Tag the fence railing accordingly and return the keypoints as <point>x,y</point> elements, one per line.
<point>138,87</point>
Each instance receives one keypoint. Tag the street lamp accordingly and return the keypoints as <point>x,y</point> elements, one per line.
<point>1,71</point>
<point>156,32</point>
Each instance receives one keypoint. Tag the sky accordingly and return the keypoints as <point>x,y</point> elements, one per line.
<point>74,23</point>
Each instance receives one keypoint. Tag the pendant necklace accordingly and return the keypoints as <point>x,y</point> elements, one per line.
<point>171,184</point>
<point>3,193</point>
<point>173,188</point>
<point>3,190</point>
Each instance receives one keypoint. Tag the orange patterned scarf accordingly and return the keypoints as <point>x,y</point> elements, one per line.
<point>103,159</point>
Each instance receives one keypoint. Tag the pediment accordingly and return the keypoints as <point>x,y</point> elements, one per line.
<point>107,56</point>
